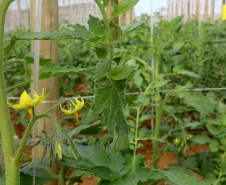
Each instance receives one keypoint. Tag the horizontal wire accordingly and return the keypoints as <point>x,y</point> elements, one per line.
<point>127,94</point>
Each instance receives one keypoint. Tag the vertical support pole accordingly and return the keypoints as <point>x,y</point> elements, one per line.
<point>176,11</point>
<point>69,11</point>
<point>28,14</point>
<point>168,10</point>
<point>19,13</point>
<point>188,10</point>
<point>172,9</point>
<point>212,10</point>
<point>49,48</point>
<point>197,9</point>
<point>206,11</point>
<point>182,7</point>
<point>120,17</point>
<point>64,11</point>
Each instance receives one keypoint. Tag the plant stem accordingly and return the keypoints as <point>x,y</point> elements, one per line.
<point>157,131</point>
<point>5,123</point>
<point>17,85</point>
<point>61,179</point>
<point>136,138</point>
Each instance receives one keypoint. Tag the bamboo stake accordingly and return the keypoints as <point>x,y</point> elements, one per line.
<point>64,11</point>
<point>212,10</point>
<point>182,7</point>
<point>172,9</point>
<point>168,10</point>
<point>69,11</point>
<point>176,11</point>
<point>206,11</point>
<point>197,9</point>
<point>18,13</point>
<point>188,10</point>
<point>49,48</point>
<point>120,17</point>
<point>11,17</point>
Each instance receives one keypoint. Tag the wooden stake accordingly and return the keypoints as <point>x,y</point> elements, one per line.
<point>11,17</point>
<point>188,9</point>
<point>176,11</point>
<point>212,10</point>
<point>206,11</point>
<point>172,9</point>
<point>120,17</point>
<point>49,48</point>
<point>197,9</point>
<point>182,7</point>
<point>69,11</point>
<point>168,10</point>
<point>18,13</point>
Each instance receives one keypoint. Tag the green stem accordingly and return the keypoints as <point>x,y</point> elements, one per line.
<point>17,85</point>
<point>56,105</point>
<point>61,179</point>
<point>108,29</point>
<point>136,138</point>
<point>5,123</point>
<point>157,131</point>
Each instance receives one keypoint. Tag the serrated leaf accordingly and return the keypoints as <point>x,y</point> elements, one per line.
<point>28,70</point>
<point>177,47</point>
<point>106,2</point>
<point>119,143</point>
<point>123,7</point>
<point>137,79</point>
<point>121,72</point>
<point>110,99</point>
<point>29,58</point>
<point>101,70</point>
<point>96,25</point>
<point>115,162</point>
<point>198,101</point>
<point>178,70</point>
<point>180,178</point>
<point>42,174</point>
<point>214,129</point>
<point>95,128</point>
<point>131,27</point>
<point>201,139</point>
<point>56,70</point>
<point>133,164</point>
<point>80,33</point>
<point>101,52</point>
<point>221,133</point>
<point>141,176</point>
<point>143,99</point>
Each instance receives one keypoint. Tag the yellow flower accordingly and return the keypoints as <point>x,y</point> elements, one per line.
<point>176,141</point>
<point>16,137</point>
<point>189,136</point>
<point>182,144</point>
<point>27,102</point>
<point>74,109</point>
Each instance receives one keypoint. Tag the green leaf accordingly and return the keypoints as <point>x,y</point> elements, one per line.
<point>111,99</point>
<point>115,162</point>
<point>56,70</point>
<point>131,27</point>
<point>143,99</point>
<point>101,52</point>
<point>214,129</point>
<point>178,70</point>
<point>180,178</point>
<point>96,26</point>
<point>101,70</point>
<point>29,58</point>
<point>95,128</point>
<point>106,2</point>
<point>161,83</point>
<point>133,164</point>
<point>138,79</point>
<point>221,134</point>
<point>80,33</point>
<point>121,72</point>
<point>140,177</point>
<point>123,7</point>
<point>198,101</point>
<point>119,143</point>
<point>177,47</point>
<point>201,139</point>
<point>42,174</point>
<point>28,70</point>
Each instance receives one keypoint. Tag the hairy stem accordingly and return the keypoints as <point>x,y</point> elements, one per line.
<point>5,123</point>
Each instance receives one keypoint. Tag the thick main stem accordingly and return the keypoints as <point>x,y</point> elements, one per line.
<point>157,131</point>
<point>5,123</point>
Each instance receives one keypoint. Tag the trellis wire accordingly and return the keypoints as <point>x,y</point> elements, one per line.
<point>128,94</point>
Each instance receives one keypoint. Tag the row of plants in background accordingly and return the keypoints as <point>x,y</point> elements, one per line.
<point>184,58</point>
